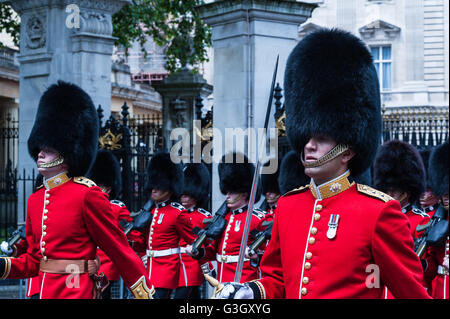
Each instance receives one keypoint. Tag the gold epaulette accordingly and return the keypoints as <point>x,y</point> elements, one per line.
<point>301,189</point>
<point>372,192</point>
<point>84,181</point>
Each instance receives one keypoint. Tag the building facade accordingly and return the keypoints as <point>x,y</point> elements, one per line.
<point>408,40</point>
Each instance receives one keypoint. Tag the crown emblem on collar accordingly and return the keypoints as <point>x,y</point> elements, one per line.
<point>335,187</point>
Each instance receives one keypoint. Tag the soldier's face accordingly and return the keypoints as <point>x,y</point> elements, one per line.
<point>159,195</point>
<point>45,156</point>
<point>272,198</point>
<point>317,147</point>
<point>428,199</point>
<point>399,195</point>
<point>445,200</point>
<point>187,201</point>
<point>236,200</point>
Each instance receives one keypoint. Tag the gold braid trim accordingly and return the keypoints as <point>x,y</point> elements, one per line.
<point>262,291</point>
<point>58,160</point>
<point>332,154</point>
<point>7,268</point>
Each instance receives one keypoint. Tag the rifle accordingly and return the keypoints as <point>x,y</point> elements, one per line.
<point>215,227</point>
<point>261,237</point>
<point>16,235</point>
<point>436,230</point>
<point>141,220</point>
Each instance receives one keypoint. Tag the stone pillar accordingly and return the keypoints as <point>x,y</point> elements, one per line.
<point>66,40</point>
<point>180,95</point>
<point>247,36</point>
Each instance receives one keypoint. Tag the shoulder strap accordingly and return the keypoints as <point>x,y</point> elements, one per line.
<point>372,192</point>
<point>84,181</point>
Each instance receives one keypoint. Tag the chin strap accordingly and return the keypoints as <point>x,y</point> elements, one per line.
<point>332,154</point>
<point>236,199</point>
<point>55,162</point>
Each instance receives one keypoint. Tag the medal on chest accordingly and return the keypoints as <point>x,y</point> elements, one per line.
<point>332,226</point>
<point>160,219</point>
<point>237,226</point>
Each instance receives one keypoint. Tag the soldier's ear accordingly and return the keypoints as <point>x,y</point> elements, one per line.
<point>347,156</point>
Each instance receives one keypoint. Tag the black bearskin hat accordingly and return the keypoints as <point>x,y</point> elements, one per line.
<point>106,171</point>
<point>364,178</point>
<point>292,173</point>
<point>438,169</point>
<point>197,183</point>
<point>269,182</point>
<point>398,166</point>
<point>66,121</point>
<point>425,154</point>
<point>332,88</point>
<point>237,175</point>
<point>165,175</point>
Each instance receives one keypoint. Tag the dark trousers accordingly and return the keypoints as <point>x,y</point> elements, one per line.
<point>192,292</point>
<point>162,293</point>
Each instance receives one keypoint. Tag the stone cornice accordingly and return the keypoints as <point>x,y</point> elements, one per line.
<point>105,6</point>
<point>279,10</point>
<point>368,31</point>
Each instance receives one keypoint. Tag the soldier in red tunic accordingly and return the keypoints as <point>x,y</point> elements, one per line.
<point>400,173</point>
<point>334,238</point>
<point>235,183</point>
<point>270,188</point>
<point>194,198</point>
<point>70,216</point>
<point>437,255</point>
<point>106,173</point>
<point>170,223</point>
<point>428,200</point>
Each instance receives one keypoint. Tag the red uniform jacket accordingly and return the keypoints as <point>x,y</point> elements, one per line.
<point>435,274</point>
<point>169,224</point>
<point>107,267</point>
<point>225,249</point>
<point>314,254</point>
<point>416,217</point>
<point>191,273</point>
<point>68,219</point>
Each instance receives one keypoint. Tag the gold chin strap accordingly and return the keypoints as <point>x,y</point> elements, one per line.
<point>236,199</point>
<point>332,154</point>
<point>55,162</point>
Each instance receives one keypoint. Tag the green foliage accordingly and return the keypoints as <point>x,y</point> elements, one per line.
<point>171,23</point>
<point>9,23</point>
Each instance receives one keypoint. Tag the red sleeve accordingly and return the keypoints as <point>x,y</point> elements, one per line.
<point>20,248</point>
<point>27,264</point>
<point>137,241</point>
<point>102,226</point>
<point>124,214</point>
<point>393,251</point>
<point>271,267</point>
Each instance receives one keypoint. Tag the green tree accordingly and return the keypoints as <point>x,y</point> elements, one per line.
<point>174,24</point>
<point>9,23</point>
